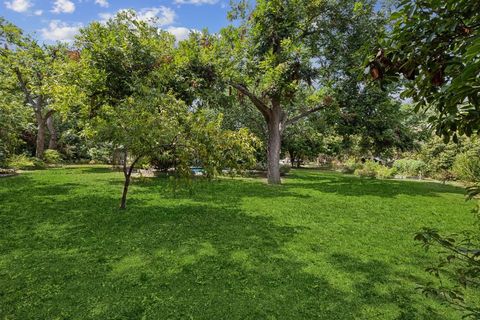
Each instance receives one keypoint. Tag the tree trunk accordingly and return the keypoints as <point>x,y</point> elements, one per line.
<point>40,144</point>
<point>274,145</point>
<point>123,204</point>
<point>52,144</point>
<point>127,172</point>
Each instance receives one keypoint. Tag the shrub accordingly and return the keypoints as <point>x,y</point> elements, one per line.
<point>52,156</point>
<point>410,168</point>
<point>284,169</point>
<point>350,166</point>
<point>23,162</point>
<point>100,155</point>
<point>369,170</point>
<point>467,167</point>
<point>384,172</point>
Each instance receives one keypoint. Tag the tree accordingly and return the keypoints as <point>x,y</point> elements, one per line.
<point>275,53</point>
<point>31,69</point>
<point>434,45</point>
<point>126,76</point>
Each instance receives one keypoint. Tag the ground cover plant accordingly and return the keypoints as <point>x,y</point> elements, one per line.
<point>322,246</point>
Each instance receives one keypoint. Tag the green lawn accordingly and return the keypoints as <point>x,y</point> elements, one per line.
<point>321,246</point>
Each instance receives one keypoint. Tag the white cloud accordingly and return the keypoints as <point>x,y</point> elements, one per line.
<point>18,5</point>
<point>60,31</point>
<point>180,33</point>
<point>159,16</point>
<point>196,2</point>
<point>38,12</point>
<point>63,6</point>
<point>102,3</point>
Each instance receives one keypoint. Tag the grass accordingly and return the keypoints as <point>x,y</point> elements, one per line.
<point>321,246</point>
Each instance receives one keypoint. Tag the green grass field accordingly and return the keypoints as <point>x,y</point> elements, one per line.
<point>321,246</point>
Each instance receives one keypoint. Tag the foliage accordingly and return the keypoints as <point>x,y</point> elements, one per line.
<point>439,155</point>
<point>139,112</point>
<point>303,141</point>
<point>368,169</point>
<point>410,167</point>
<point>384,172</point>
<point>23,162</point>
<point>52,157</point>
<point>460,261</point>
<point>435,45</point>
<point>101,154</point>
<point>285,169</point>
<point>467,167</point>
<point>34,72</point>
<point>350,165</point>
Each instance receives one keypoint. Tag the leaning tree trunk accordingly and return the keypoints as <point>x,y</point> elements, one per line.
<point>52,144</point>
<point>41,130</point>
<point>274,145</point>
<point>127,172</point>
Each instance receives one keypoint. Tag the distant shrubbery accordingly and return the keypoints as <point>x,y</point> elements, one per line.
<point>100,155</point>
<point>52,157</point>
<point>23,162</point>
<point>410,167</point>
<point>467,167</point>
<point>368,169</point>
<point>284,169</point>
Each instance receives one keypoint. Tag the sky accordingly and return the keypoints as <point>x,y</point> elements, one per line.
<point>59,20</point>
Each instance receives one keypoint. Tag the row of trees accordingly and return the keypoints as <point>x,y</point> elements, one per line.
<point>285,66</point>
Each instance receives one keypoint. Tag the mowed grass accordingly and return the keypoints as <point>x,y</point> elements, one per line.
<point>321,246</point>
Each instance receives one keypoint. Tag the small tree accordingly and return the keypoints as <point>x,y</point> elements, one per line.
<point>126,70</point>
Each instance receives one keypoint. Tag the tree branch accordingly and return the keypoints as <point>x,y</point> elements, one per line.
<point>303,115</point>
<point>261,106</point>
<point>23,86</point>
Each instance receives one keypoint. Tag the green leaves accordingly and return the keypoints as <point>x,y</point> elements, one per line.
<point>435,45</point>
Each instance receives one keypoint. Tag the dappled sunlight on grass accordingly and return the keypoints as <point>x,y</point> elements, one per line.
<point>323,245</point>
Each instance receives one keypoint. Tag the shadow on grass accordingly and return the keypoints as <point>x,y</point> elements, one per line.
<point>346,185</point>
<point>200,257</point>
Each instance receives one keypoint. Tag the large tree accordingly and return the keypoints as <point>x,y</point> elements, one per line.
<point>31,68</point>
<point>275,55</point>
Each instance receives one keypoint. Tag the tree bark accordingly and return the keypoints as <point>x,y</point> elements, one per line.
<point>123,204</point>
<point>52,144</point>
<point>127,172</point>
<point>274,143</point>
<point>40,143</point>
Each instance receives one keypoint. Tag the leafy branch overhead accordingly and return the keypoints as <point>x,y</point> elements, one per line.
<point>435,46</point>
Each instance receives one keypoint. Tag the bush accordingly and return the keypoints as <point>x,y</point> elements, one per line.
<point>52,156</point>
<point>467,167</point>
<point>350,166</point>
<point>100,155</point>
<point>410,168</point>
<point>23,162</point>
<point>384,172</point>
<point>369,170</point>
<point>284,169</point>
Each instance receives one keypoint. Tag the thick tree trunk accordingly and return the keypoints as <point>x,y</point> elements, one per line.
<point>52,144</point>
<point>274,145</point>
<point>40,143</point>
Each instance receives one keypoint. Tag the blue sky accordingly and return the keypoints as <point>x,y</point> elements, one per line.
<point>59,20</point>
